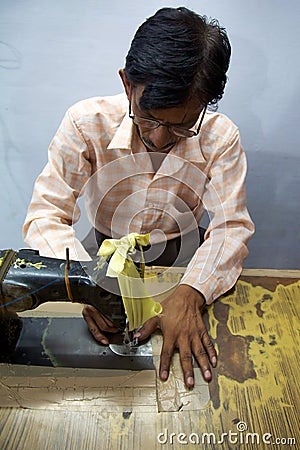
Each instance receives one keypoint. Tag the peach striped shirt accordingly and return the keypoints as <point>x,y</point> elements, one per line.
<point>96,153</point>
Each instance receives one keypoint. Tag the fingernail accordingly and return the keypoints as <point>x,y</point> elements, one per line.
<point>164,375</point>
<point>207,374</point>
<point>137,335</point>
<point>190,381</point>
<point>104,342</point>
<point>214,361</point>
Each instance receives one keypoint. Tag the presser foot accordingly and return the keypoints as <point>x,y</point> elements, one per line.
<point>131,346</point>
<point>144,349</point>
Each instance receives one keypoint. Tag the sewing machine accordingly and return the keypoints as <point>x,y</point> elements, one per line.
<point>27,280</point>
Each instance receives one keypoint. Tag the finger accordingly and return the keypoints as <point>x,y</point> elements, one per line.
<point>209,347</point>
<point>89,313</point>
<point>186,361</point>
<point>147,329</point>
<point>100,337</point>
<point>105,324</point>
<point>202,359</point>
<point>165,359</point>
<point>100,321</point>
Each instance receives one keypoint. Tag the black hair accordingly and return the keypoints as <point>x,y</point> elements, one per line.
<point>177,55</point>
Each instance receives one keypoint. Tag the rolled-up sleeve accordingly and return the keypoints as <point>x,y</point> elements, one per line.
<point>217,263</point>
<point>53,207</point>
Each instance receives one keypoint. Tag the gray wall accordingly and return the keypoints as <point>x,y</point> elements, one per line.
<point>53,53</point>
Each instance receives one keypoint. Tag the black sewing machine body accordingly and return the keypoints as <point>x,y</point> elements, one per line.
<point>31,280</point>
<point>27,280</point>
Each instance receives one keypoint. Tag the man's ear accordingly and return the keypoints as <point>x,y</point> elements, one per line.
<point>127,85</point>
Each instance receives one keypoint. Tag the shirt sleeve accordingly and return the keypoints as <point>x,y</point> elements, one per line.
<point>217,263</point>
<point>53,208</point>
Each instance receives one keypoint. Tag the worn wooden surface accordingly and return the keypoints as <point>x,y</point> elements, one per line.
<point>253,398</point>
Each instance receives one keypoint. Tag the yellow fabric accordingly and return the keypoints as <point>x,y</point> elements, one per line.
<point>139,306</point>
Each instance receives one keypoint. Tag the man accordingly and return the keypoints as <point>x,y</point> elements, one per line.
<point>154,160</point>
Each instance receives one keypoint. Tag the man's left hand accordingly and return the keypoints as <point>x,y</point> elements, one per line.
<point>182,326</point>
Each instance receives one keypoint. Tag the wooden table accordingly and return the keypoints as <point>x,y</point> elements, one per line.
<point>252,402</point>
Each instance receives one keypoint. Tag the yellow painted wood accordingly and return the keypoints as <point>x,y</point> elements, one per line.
<point>255,386</point>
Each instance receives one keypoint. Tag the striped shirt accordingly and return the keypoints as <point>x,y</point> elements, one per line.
<point>97,153</point>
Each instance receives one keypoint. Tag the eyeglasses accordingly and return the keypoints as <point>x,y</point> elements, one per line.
<point>151,124</point>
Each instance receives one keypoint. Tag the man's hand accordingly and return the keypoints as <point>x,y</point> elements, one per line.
<point>98,324</point>
<point>182,327</point>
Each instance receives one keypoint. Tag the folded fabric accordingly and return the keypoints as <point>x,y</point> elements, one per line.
<point>139,306</point>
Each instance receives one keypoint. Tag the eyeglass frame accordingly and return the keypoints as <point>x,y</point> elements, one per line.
<point>169,126</point>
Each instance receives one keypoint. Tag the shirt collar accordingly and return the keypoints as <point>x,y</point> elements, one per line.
<point>190,148</point>
<point>123,137</point>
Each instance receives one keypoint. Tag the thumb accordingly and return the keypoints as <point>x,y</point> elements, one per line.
<point>147,329</point>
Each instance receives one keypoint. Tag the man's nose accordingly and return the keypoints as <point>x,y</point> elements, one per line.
<point>161,136</point>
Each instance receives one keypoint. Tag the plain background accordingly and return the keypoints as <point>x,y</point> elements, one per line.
<point>53,54</point>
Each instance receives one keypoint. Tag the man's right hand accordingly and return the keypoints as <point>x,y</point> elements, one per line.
<point>98,324</point>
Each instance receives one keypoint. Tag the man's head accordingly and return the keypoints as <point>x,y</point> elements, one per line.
<point>175,67</point>
<point>177,54</point>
